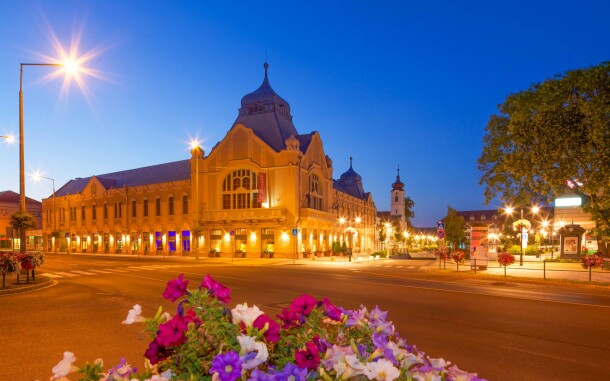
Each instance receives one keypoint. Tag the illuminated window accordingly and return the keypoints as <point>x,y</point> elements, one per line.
<point>239,190</point>
<point>215,239</point>
<point>241,240</point>
<point>315,192</point>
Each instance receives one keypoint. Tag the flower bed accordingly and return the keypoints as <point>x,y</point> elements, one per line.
<point>310,340</point>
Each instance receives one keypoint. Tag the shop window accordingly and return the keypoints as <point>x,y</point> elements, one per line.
<point>267,240</point>
<point>241,240</point>
<point>171,240</point>
<point>215,240</point>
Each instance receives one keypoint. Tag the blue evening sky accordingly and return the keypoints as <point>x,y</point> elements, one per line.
<point>409,83</point>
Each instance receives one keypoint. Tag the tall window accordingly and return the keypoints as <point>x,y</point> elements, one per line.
<point>239,190</point>
<point>93,212</point>
<point>133,208</point>
<point>145,208</point>
<point>315,192</point>
<point>185,204</point>
<point>82,213</point>
<point>118,212</point>
<point>170,202</point>
<point>105,211</point>
<point>158,207</point>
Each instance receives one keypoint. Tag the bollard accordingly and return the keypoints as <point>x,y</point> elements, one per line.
<point>590,267</point>
<point>475,265</point>
<point>444,264</point>
<point>544,269</point>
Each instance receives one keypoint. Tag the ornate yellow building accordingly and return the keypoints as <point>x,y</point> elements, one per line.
<point>263,189</point>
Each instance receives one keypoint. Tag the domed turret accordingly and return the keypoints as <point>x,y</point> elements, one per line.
<point>352,182</point>
<point>267,114</point>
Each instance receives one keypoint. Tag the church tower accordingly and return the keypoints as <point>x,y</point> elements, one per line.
<point>397,201</point>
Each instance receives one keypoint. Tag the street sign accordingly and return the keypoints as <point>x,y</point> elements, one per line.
<point>295,232</point>
<point>440,234</point>
<point>232,232</point>
<point>440,225</point>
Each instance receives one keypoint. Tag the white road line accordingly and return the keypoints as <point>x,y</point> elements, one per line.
<point>117,270</point>
<point>66,274</point>
<point>101,271</point>
<point>52,275</point>
<point>83,272</point>
<point>399,267</point>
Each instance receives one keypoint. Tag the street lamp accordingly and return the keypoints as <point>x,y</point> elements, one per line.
<point>509,210</point>
<point>37,177</point>
<point>195,150</point>
<point>9,138</point>
<point>70,66</point>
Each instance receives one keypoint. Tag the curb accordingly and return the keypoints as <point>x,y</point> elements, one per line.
<point>27,288</point>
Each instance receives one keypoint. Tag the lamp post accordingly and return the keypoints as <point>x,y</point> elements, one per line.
<point>37,177</point>
<point>509,210</point>
<point>9,138</point>
<point>196,152</point>
<point>69,65</point>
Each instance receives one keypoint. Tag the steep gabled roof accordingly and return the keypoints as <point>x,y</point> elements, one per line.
<point>267,114</point>
<point>11,197</point>
<point>154,174</point>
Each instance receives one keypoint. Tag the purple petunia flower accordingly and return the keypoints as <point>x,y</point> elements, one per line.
<point>272,334</point>
<point>377,316</point>
<point>291,372</point>
<point>356,317</point>
<point>176,288</point>
<point>259,375</point>
<point>330,309</point>
<point>227,365</point>
<point>216,289</point>
<point>303,304</point>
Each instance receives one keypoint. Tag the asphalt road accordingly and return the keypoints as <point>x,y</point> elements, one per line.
<point>503,331</point>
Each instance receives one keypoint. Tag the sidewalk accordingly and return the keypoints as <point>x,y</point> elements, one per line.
<point>534,269</point>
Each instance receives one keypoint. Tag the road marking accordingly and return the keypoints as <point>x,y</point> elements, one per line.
<point>101,271</point>
<point>52,275</point>
<point>400,267</point>
<point>117,270</point>
<point>83,272</point>
<point>66,274</point>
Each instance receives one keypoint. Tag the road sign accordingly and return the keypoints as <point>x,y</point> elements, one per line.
<point>440,234</point>
<point>440,225</point>
<point>232,232</point>
<point>295,232</point>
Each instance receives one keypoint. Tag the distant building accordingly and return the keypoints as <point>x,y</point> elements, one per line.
<point>9,204</point>
<point>394,218</point>
<point>264,189</point>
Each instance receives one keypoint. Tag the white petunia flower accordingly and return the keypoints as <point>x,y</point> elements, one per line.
<point>64,367</point>
<point>134,315</point>
<point>247,315</point>
<point>439,363</point>
<point>382,370</point>
<point>248,345</point>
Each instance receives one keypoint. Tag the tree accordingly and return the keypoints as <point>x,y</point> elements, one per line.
<point>454,228</point>
<point>551,139</point>
<point>409,213</point>
<point>22,222</point>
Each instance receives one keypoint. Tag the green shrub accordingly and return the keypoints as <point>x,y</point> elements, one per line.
<point>514,250</point>
<point>382,254</point>
<point>531,250</point>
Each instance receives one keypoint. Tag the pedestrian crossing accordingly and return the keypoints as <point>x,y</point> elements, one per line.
<point>91,272</point>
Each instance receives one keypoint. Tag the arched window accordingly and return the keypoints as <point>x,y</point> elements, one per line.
<point>238,191</point>
<point>315,192</point>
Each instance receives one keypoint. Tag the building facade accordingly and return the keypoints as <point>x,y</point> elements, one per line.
<point>9,239</point>
<point>264,189</point>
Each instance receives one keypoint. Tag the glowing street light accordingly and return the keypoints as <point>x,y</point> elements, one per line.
<point>509,210</point>
<point>9,138</point>
<point>196,152</point>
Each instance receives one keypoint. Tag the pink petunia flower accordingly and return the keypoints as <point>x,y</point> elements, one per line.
<point>303,304</point>
<point>272,334</point>
<point>216,289</point>
<point>176,288</point>
<point>173,332</point>
<point>309,357</point>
